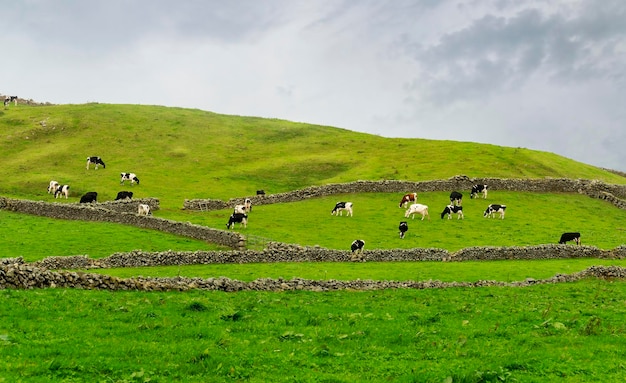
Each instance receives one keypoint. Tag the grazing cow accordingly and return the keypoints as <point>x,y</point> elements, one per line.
<point>456,198</point>
<point>62,191</point>
<point>52,188</point>
<point>410,197</point>
<point>129,177</point>
<point>340,207</point>
<point>452,209</point>
<point>124,195</point>
<point>260,192</point>
<point>96,161</point>
<point>417,208</point>
<point>237,218</point>
<point>404,227</point>
<point>89,197</point>
<point>493,209</point>
<point>143,209</point>
<point>476,189</point>
<point>10,99</point>
<point>566,237</point>
<point>357,249</point>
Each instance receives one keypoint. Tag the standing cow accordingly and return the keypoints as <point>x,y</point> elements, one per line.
<point>456,198</point>
<point>410,197</point>
<point>417,208</point>
<point>493,209</point>
<point>566,237</point>
<point>96,161</point>
<point>452,209</point>
<point>404,227</point>
<point>132,177</point>
<point>340,207</point>
<point>477,189</point>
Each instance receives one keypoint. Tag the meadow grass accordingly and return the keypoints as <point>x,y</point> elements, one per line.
<point>544,333</point>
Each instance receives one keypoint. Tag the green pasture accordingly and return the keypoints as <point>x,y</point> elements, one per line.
<point>544,333</point>
<point>571,332</point>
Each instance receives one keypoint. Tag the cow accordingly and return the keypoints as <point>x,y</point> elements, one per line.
<point>10,99</point>
<point>493,209</point>
<point>129,177</point>
<point>410,197</point>
<point>357,249</point>
<point>456,198</point>
<point>240,209</point>
<point>477,189</point>
<point>404,227</point>
<point>237,218</point>
<point>417,208</point>
<point>143,209</point>
<point>566,237</point>
<point>124,195</point>
<point>261,193</point>
<point>452,209</point>
<point>96,161</point>
<point>248,204</point>
<point>62,191</point>
<point>89,197</point>
<point>52,187</point>
<point>340,207</point>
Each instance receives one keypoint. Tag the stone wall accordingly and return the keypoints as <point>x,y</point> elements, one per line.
<point>124,212</point>
<point>280,252</point>
<point>615,194</point>
<point>19,276</point>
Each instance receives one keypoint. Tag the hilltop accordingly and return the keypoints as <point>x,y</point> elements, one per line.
<point>188,153</point>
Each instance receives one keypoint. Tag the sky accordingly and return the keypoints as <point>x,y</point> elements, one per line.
<point>545,75</point>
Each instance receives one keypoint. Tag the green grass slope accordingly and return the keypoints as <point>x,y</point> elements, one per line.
<point>184,154</point>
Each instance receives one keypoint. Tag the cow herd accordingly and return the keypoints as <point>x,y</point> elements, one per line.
<point>59,190</point>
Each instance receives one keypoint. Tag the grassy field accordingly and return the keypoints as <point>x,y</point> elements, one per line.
<point>566,333</point>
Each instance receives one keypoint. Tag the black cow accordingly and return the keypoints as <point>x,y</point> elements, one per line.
<point>493,209</point>
<point>96,161</point>
<point>456,198</point>
<point>357,246</point>
<point>237,218</point>
<point>89,197</point>
<point>124,195</point>
<point>260,192</point>
<point>404,227</point>
<point>476,189</point>
<point>566,237</point>
<point>452,209</point>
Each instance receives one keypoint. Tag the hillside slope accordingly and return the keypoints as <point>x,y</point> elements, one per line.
<point>184,154</point>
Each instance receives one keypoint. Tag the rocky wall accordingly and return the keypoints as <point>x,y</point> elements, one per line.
<point>19,276</point>
<point>596,189</point>
<point>124,213</point>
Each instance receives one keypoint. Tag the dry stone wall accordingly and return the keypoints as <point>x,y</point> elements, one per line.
<point>124,213</point>
<point>19,276</point>
<point>616,194</point>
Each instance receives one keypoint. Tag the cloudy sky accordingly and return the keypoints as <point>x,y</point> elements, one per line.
<point>547,75</point>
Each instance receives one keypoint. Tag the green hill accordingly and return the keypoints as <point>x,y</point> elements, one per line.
<point>184,154</point>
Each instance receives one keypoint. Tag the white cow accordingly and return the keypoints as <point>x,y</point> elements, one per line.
<point>52,188</point>
<point>417,208</point>
<point>143,209</point>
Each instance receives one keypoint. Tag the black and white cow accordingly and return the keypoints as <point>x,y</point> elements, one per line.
<point>62,191</point>
<point>340,207</point>
<point>566,237</point>
<point>124,195</point>
<point>129,177</point>
<point>96,161</point>
<point>456,198</point>
<point>404,227</point>
<point>357,249</point>
<point>477,189</point>
<point>452,209</point>
<point>143,209</point>
<point>237,218</point>
<point>493,209</point>
<point>52,187</point>
<point>10,99</point>
<point>89,197</point>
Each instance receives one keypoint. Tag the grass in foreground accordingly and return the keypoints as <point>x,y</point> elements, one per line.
<point>558,333</point>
